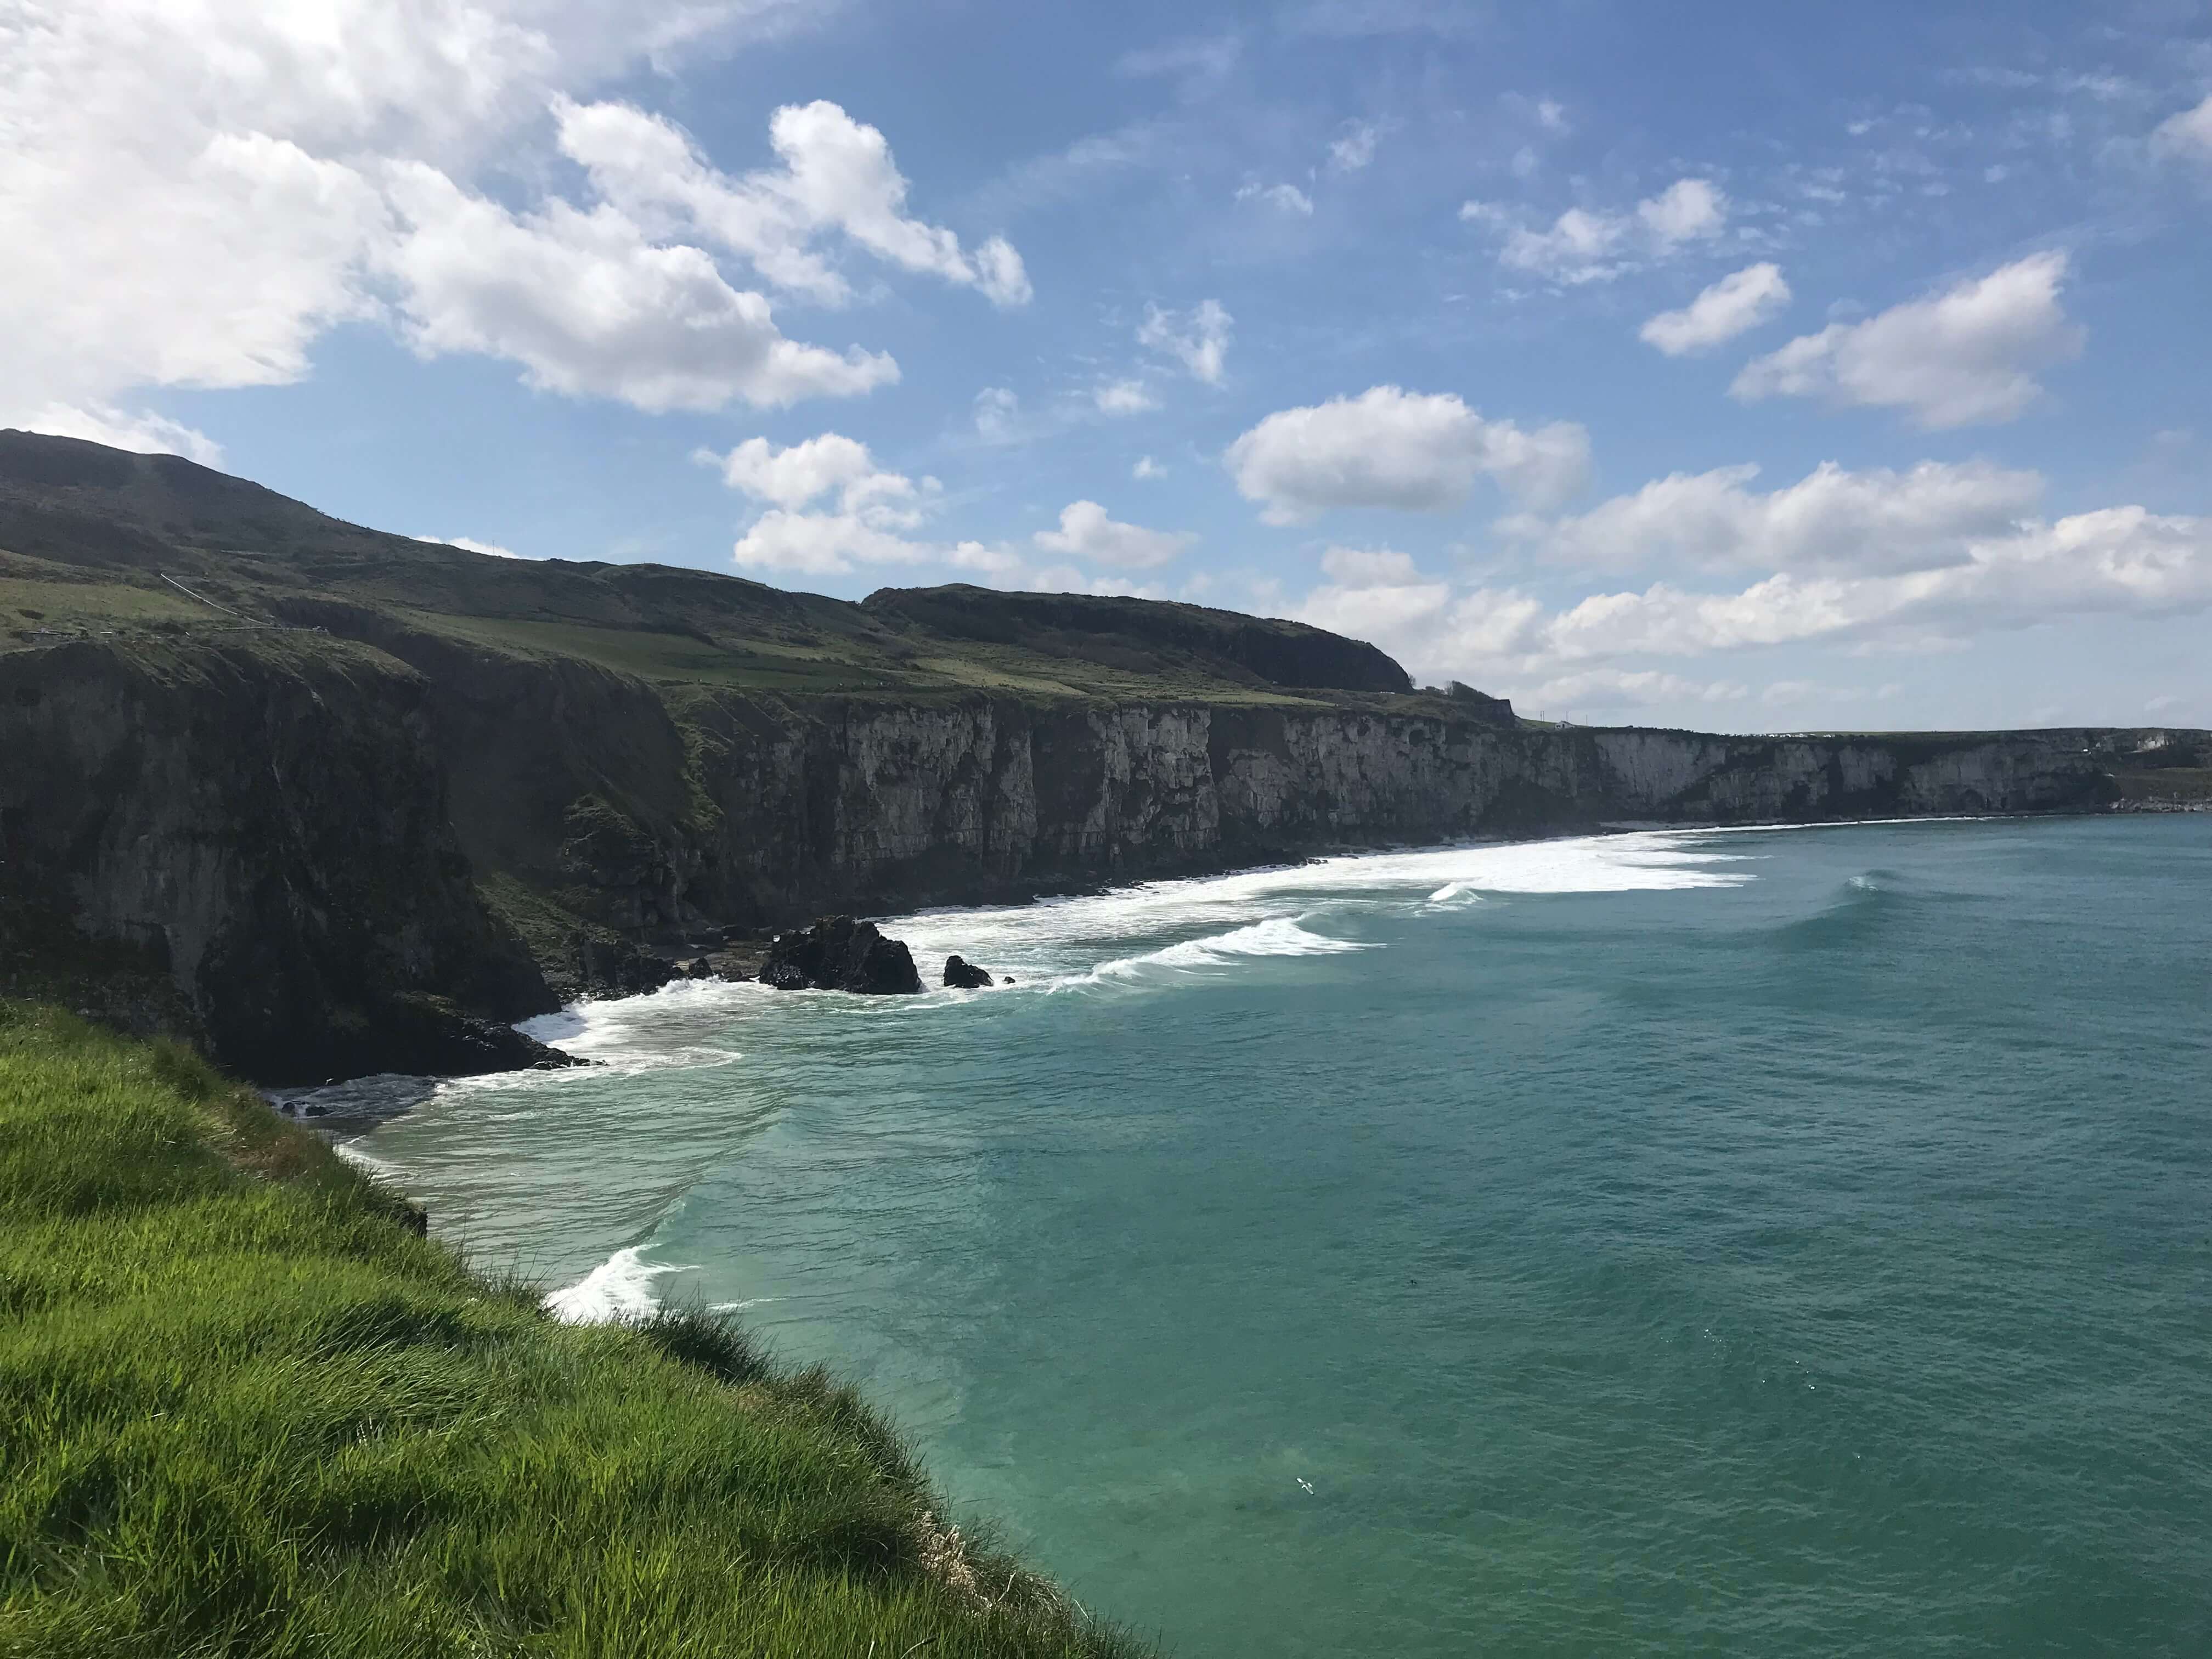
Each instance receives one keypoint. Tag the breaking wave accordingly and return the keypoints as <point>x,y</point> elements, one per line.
<point>621,1287</point>
<point>1279,936</point>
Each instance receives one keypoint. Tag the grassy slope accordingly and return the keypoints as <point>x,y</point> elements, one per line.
<point>243,1410</point>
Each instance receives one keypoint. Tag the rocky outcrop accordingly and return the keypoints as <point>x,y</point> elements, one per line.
<point>838,953</point>
<point>962,974</point>
<point>256,837</point>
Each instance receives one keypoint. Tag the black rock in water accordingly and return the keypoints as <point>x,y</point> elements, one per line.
<point>838,953</point>
<point>965,976</point>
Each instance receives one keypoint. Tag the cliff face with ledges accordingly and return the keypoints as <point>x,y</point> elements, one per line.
<point>254,843</point>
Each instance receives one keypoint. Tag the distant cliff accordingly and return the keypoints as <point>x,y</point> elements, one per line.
<point>328,801</point>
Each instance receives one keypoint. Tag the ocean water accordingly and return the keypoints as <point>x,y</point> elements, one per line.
<point>1786,1242</point>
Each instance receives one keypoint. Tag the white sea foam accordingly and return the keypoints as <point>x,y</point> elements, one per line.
<point>621,1287</point>
<point>368,1163</point>
<point>1057,942</point>
<point>626,1035</point>
<point>1280,936</point>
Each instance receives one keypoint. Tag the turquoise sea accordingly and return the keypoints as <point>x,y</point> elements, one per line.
<point>1766,1243</point>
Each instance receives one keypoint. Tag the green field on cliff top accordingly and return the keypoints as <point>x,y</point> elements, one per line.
<point>244,1409</point>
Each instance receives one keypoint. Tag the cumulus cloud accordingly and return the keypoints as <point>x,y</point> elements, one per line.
<point>2188,134</point>
<point>821,543</point>
<point>837,175</point>
<point>830,506</point>
<point>192,195</point>
<point>1582,246</point>
<point>1735,305</point>
<point>1394,448</point>
<point>1833,519</point>
<point>1085,533</point>
<point>1966,355</point>
<point>1197,339</point>
<point>589,308</point>
<point>1147,467</point>
<point>802,473</point>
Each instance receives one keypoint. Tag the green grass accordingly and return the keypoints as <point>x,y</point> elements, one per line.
<point>244,1410</point>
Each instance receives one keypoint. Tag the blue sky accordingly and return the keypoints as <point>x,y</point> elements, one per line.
<point>1747,369</point>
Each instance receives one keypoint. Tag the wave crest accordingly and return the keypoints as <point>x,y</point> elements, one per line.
<point>1278,936</point>
<point>621,1287</point>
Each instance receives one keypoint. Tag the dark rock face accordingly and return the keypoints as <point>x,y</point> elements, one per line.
<point>838,953</point>
<point>253,839</point>
<point>962,974</point>
<point>427,1038</point>
<point>616,967</point>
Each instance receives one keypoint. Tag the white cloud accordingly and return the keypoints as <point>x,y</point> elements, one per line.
<point>802,473</point>
<point>1582,246</point>
<point>1197,339</point>
<point>1980,565</point>
<point>1147,467</point>
<point>838,174</point>
<point>1085,533</point>
<point>1626,688</point>
<point>1394,448</point>
<point>1356,149</point>
<point>1123,398</point>
<point>191,195</point>
<point>1551,115</point>
<point>469,544</point>
<point>870,509</point>
<point>999,566</point>
<point>1285,198</point>
<point>588,307</point>
<point>1735,305</point>
<point>2122,560</point>
<point>147,433</point>
<point>822,543</point>
<point>1965,355</point>
<point>2188,134</point>
<point>1831,521</point>
<point>1686,211</point>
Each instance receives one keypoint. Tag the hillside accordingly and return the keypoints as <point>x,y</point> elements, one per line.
<point>98,541</point>
<point>324,800</point>
<point>245,1409</point>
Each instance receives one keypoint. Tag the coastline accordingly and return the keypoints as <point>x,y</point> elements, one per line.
<point>348,1111</point>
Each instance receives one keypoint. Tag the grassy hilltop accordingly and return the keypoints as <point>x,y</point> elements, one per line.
<point>153,550</point>
<point>245,1409</point>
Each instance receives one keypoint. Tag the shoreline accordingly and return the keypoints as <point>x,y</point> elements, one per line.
<point>349,1110</point>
